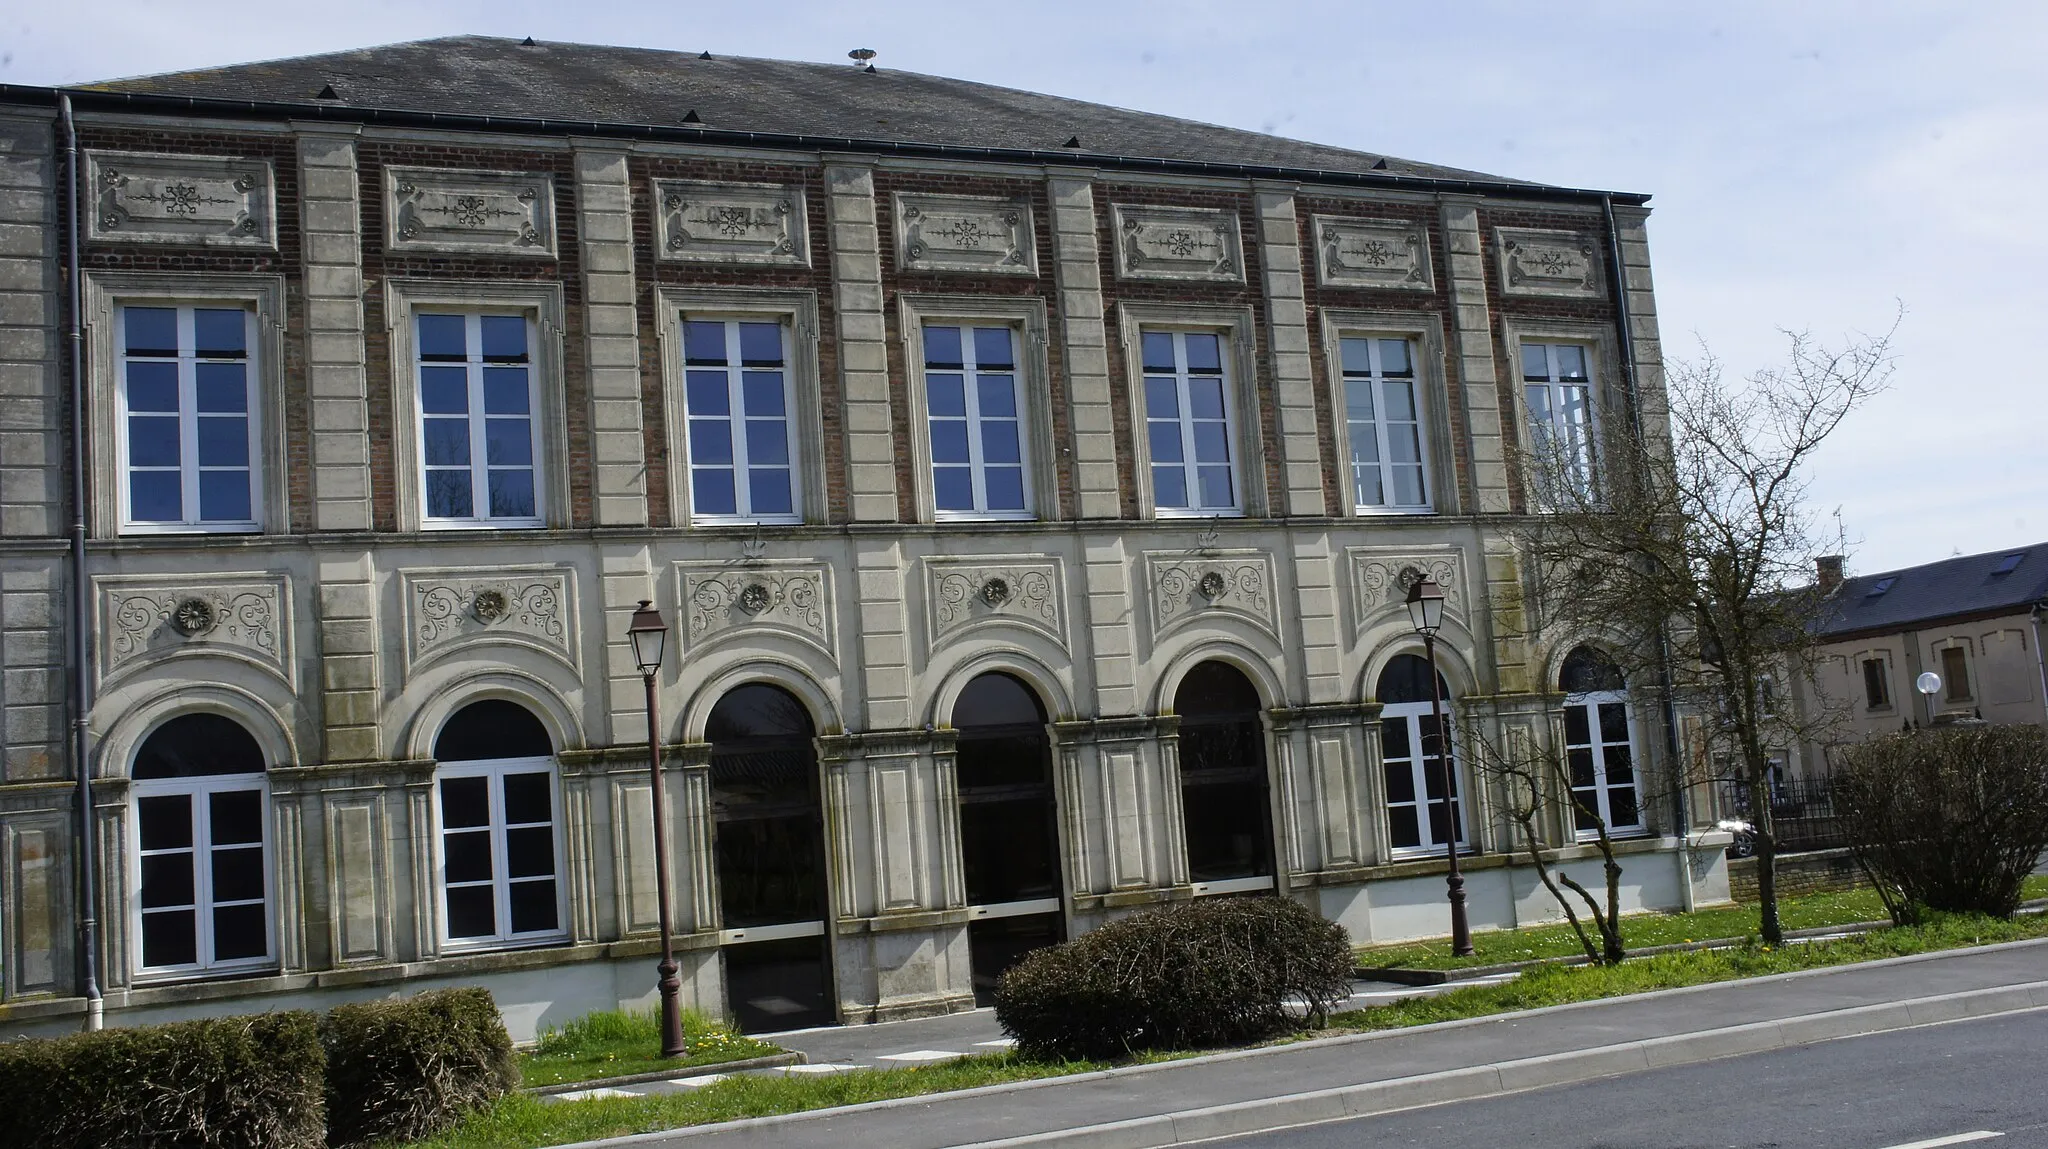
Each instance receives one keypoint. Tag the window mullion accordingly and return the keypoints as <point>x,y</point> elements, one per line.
<point>736,414</point>
<point>1184,383</point>
<point>501,884</point>
<point>970,390</point>
<point>202,874</point>
<point>473,366</point>
<point>188,417</point>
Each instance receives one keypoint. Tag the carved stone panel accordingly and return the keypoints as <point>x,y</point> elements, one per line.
<point>1178,243</point>
<point>981,234</point>
<point>1380,577</point>
<point>499,213</point>
<point>201,201</point>
<point>1540,262</point>
<point>447,609</point>
<point>722,601</point>
<point>1385,253</point>
<point>731,222</point>
<point>1186,588</point>
<point>146,618</point>
<point>963,594</point>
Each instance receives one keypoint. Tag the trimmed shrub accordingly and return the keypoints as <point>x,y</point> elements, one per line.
<point>251,1082</point>
<point>406,1068</point>
<point>1950,819</point>
<point>1213,972</point>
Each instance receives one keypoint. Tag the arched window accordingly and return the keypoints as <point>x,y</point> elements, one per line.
<point>500,852</point>
<point>1599,741</point>
<point>770,846</point>
<point>202,848</point>
<point>1223,779</point>
<point>1009,835</point>
<point>1420,817</point>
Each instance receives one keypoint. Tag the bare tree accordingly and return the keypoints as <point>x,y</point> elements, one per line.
<point>1693,553</point>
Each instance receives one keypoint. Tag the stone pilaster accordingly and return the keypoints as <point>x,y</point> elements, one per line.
<point>884,652</point>
<point>1294,387</point>
<point>336,376</point>
<point>1110,640</point>
<point>1472,348</point>
<point>348,659</point>
<point>863,342</point>
<point>1640,301</point>
<point>1077,273</point>
<point>604,205</point>
<point>1316,624</point>
<point>627,575</point>
<point>31,383</point>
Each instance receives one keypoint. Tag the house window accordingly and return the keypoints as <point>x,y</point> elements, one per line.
<point>1384,425</point>
<point>1599,745</point>
<point>495,805</point>
<point>1421,817</point>
<point>742,433</point>
<point>1877,694</point>
<point>1223,780</point>
<point>187,425</point>
<point>202,853</point>
<point>974,400</point>
<point>1955,671</point>
<point>479,436</point>
<point>1190,426</point>
<point>1558,389</point>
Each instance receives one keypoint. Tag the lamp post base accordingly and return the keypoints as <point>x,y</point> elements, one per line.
<point>672,1043</point>
<point>1461,927</point>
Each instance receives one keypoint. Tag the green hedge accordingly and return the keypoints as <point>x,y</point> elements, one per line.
<point>1212,972</point>
<point>406,1068</point>
<point>220,1083</point>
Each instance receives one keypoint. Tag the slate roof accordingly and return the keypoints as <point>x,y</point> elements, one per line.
<point>1952,588</point>
<point>492,76</point>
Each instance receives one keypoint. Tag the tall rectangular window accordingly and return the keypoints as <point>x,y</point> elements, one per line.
<point>187,420</point>
<point>1877,692</point>
<point>1189,424</point>
<point>1558,388</point>
<point>479,438</point>
<point>742,437</point>
<point>1384,423</point>
<point>204,864</point>
<point>498,851</point>
<point>974,401</point>
<point>1420,815</point>
<point>1955,672</point>
<point>1600,754</point>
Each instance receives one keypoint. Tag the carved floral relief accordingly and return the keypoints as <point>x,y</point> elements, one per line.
<point>983,234</point>
<point>1178,243</point>
<point>449,609</point>
<point>1541,262</point>
<point>724,600</point>
<point>1185,588</point>
<point>966,593</point>
<point>731,222</point>
<point>145,618</point>
<point>1384,253</point>
<point>204,201</point>
<point>505,213</point>
<point>1380,577</point>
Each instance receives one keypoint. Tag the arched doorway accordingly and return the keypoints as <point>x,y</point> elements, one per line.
<point>1599,745</point>
<point>201,868</point>
<point>1224,808</point>
<point>1009,830</point>
<point>495,791</point>
<point>770,848</point>
<point>1420,820</point>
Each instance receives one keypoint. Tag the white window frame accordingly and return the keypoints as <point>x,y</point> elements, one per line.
<point>107,292</point>
<point>1025,316</point>
<point>1425,336</point>
<point>736,420</point>
<point>1412,713</point>
<point>541,303</point>
<point>1603,397</point>
<point>494,770</point>
<point>479,421</point>
<point>1590,702</point>
<point>1238,330</point>
<point>200,788</point>
<point>797,311</point>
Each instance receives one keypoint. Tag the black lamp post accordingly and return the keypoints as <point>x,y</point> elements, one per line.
<point>649,633</point>
<point>1426,612</point>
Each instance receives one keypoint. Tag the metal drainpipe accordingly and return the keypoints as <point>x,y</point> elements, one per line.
<point>88,894</point>
<point>1617,271</point>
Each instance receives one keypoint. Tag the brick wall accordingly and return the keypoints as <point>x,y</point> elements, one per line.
<point>1822,871</point>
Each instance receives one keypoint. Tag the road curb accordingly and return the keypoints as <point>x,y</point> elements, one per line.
<point>766,1061</point>
<point>1499,1078</point>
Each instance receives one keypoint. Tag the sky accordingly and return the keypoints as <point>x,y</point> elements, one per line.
<point>1814,166</point>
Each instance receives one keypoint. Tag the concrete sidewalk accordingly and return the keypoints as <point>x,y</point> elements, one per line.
<point>1319,1080</point>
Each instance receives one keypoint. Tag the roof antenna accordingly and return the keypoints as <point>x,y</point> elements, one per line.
<point>526,43</point>
<point>861,56</point>
<point>327,92</point>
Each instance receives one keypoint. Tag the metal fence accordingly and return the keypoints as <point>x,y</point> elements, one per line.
<point>1802,813</point>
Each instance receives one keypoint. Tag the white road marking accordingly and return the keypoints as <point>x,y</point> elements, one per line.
<point>590,1094</point>
<point>826,1068</point>
<point>699,1082</point>
<point>921,1055</point>
<point>1951,1139</point>
<point>999,1043</point>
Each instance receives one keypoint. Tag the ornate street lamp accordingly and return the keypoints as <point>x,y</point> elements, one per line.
<point>1426,613</point>
<point>648,634</point>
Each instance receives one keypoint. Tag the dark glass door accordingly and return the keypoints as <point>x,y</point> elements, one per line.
<point>1226,816</point>
<point>1009,831</point>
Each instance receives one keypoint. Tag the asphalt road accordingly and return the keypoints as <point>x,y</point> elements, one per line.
<point>1932,1086</point>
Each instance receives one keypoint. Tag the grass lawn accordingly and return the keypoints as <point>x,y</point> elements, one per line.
<point>1558,985</point>
<point>615,1044</point>
<point>1642,930</point>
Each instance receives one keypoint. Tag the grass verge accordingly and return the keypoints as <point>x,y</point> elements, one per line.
<point>1641,931</point>
<point>1547,985</point>
<point>618,1043</point>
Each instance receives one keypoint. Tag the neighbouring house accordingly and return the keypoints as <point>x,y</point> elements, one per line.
<point>1031,489</point>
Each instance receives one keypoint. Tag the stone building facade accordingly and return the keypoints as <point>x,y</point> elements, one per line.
<point>1031,488</point>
